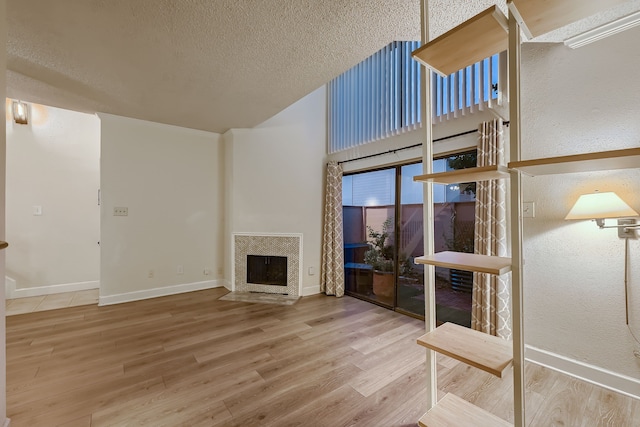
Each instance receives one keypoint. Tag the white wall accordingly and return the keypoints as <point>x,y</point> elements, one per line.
<point>170,179</point>
<point>275,179</point>
<point>3,357</point>
<point>576,101</point>
<point>53,162</point>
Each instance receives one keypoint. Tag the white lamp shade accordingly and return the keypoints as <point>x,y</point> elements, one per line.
<point>600,205</point>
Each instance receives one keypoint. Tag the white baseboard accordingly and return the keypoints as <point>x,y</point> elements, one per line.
<point>7,422</point>
<point>11,292</point>
<point>158,292</point>
<point>9,287</point>
<point>310,290</point>
<point>226,283</point>
<point>593,374</point>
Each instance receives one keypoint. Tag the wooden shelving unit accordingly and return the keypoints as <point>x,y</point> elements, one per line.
<point>479,37</point>
<point>483,173</point>
<point>474,40</point>
<point>589,162</point>
<point>454,411</point>
<point>470,262</point>
<point>483,351</point>
<point>539,17</point>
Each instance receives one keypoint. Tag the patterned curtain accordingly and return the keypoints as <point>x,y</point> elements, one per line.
<point>491,299</point>
<point>332,282</point>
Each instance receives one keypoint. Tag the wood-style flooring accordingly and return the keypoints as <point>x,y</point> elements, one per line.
<point>192,360</point>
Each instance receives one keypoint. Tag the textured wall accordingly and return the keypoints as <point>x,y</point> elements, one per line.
<point>576,101</point>
<point>446,14</point>
<point>53,162</point>
<point>274,180</point>
<point>170,180</point>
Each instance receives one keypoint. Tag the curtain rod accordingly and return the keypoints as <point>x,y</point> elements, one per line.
<point>414,145</point>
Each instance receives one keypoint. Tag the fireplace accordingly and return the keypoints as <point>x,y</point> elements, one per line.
<point>270,252</point>
<point>267,270</point>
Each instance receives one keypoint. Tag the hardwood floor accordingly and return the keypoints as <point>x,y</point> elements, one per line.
<point>192,360</point>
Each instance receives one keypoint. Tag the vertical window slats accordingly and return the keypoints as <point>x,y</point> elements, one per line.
<point>380,97</point>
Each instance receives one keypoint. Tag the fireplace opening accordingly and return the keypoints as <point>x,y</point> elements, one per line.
<point>267,270</point>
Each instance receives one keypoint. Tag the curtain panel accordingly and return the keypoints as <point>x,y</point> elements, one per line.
<point>491,300</point>
<point>332,282</point>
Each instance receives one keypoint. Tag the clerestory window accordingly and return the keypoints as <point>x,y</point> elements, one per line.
<point>380,97</point>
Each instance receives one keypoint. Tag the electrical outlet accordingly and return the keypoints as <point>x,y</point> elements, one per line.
<point>180,270</point>
<point>120,211</point>
<point>206,272</point>
<point>150,274</point>
<point>37,210</point>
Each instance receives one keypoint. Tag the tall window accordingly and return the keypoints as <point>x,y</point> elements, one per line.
<point>380,97</point>
<point>383,233</point>
<point>377,98</point>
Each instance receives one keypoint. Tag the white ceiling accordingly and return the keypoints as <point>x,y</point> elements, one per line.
<point>202,64</point>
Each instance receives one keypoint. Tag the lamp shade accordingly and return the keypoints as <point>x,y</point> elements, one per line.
<point>600,205</point>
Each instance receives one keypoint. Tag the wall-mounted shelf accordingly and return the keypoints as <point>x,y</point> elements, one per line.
<point>470,262</point>
<point>452,410</point>
<point>480,350</point>
<point>483,173</point>
<point>474,40</point>
<point>539,17</point>
<point>603,160</point>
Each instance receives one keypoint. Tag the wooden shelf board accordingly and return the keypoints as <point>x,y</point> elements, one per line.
<point>452,410</point>
<point>603,160</point>
<point>480,350</point>
<point>470,262</point>
<point>3,244</point>
<point>474,40</point>
<point>482,173</point>
<point>539,17</point>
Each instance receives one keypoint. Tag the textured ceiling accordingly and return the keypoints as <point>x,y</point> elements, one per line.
<point>202,64</point>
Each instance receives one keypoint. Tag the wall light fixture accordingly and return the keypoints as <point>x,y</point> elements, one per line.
<point>20,112</point>
<point>599,206</point>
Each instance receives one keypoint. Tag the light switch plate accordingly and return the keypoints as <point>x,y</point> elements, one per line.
<point>528,209</point>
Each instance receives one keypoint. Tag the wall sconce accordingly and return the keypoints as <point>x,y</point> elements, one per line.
<point>20,112</point>
<point>598,206</point>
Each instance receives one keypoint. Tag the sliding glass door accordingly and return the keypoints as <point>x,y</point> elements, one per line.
<point>369,235</point>
<point>383,233</point>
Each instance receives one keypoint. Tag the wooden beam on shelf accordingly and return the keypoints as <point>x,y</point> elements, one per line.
<point>470,262</point>
<point>539,17</point>
<point>588,162</point>
<point>452,410</point>
<point>482,173</point>
<point>483,351</point>
<point>474,40</point>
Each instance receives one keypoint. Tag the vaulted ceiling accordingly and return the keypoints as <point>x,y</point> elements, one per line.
<point>202,64</point>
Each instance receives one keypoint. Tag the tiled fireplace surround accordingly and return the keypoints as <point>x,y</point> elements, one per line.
<point>288,245</point>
